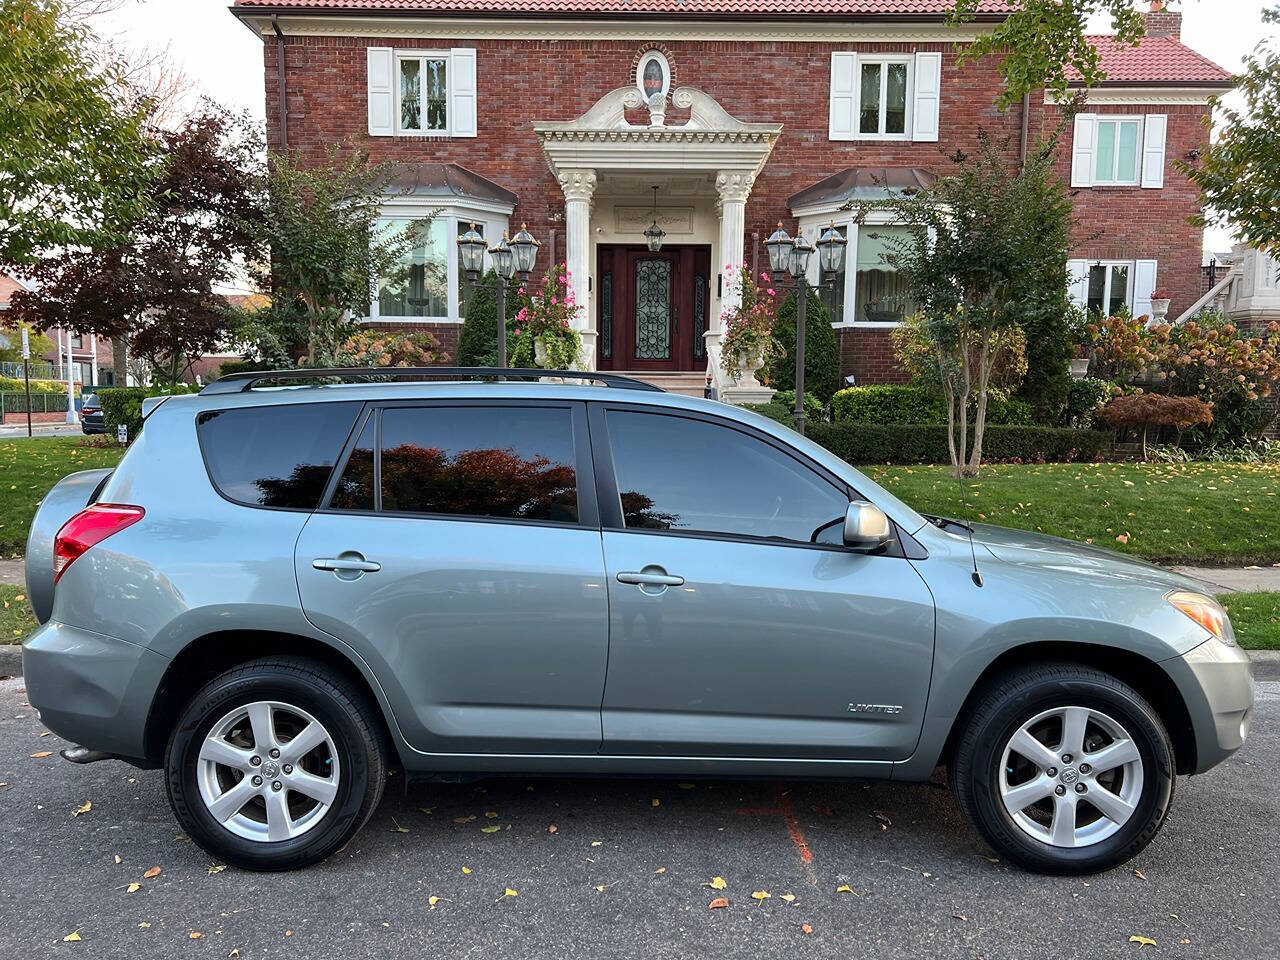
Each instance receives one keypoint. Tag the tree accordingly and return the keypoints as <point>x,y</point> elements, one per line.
<point>320,248</point>
<point>157,291</point>
<point>73,168</point>
<point>39,343</point>
<point>1155,409</point>
<point>1042,42</point>
<point>1239,175</point>
<point>478,338</point>
<point>985,252</point>
<point>821,351</point>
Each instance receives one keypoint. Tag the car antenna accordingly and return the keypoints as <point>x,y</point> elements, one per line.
<point>976,576</point>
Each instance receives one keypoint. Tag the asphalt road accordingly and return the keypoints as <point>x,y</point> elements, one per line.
<point>623,877</point>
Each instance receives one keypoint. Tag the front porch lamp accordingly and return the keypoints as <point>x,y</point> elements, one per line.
<point>504,261</point>
<point>653,236</point>
<point>779,246</point>
<point>471,253</point>
<point>525,250</point>
<point>831,249</point>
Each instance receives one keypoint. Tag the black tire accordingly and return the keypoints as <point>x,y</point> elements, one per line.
<point>1013,699</point>
<point>344,711</point>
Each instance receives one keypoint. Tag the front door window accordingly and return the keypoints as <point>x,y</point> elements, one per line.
<point>653,309</point>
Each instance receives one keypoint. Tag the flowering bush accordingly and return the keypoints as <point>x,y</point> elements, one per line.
<point>545,318</point>
<point>377,348</point>
<point>748,328</point>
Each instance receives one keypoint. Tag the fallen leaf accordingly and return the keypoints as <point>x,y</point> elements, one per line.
<point>466,869</point>
<point>235,952</point>
<point>655,802</point>
<point>601,888</point>
<point>492,828</point>
<point>885,822</point>
<point>216,868</point>
<point>960,916</point>
<point>1184,942</point>
<point>118,860</point>
<point>40,756</point>
<point>71,937</point>
<point>719,903</point>
<point>806,929</point>
<point>143,925</point>
<point>152,873</point>
<point>717,883</point>
<point>464,819</point>
<point>427,810</point>
<point>845,888</point>
<point>1139,874</point>
<point>1123,538</point>
<point>396,828</point>
<point>88,805</point>
<point>491,814</point>
<point>597,843</point>
<point>133,888</point>
<point>195,935</point>
<point>661,870</point>
<point>510,893</point>
<point>433,900</point>
<point>789,897</point>
<point>552,828</point>
<point>1142,941</point>
<point>761,895</point>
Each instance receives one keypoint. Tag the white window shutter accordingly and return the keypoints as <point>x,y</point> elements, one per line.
<point>844,99</point>
<point>1153,150</point>
<point>1078,282</point>
<point>928,97</point>
<point>462,92</point>
<point>382,91</point>
<point>1083,147</point>
<point>1144,284</point>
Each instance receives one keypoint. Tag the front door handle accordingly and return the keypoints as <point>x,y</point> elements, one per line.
<point>346,564</point>
<point>650,578</point>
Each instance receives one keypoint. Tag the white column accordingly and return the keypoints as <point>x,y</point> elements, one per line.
<point>93,371</point>
<point>579,185</point>
<point>733,188</point>
<point>71,390</point>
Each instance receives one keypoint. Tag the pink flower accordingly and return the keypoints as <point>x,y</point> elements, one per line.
<point>517,331</point>
<point>770,292</point>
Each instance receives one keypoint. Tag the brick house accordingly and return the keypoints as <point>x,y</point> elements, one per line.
<point>564,114</point>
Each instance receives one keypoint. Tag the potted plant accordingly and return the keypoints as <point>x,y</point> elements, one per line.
<point>1078,324</point>
<point>748,344</point>
<point>1159,305</point>
<point>544,332</point>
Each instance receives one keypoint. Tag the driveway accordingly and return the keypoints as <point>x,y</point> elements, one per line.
<point>623,873</point>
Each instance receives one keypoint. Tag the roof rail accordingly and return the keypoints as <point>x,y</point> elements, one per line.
<point>243,382</point>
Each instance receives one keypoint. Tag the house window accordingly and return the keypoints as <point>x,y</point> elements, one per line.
<point>77,341</point>
<point>424,94</point>
<point>880,292</point>
<point>882,98</point>
<point>1109,288</point>
<point>1116,161</point>
<point>419,287</point>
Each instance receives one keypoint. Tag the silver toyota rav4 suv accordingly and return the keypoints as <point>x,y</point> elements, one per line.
<point>289,586</point>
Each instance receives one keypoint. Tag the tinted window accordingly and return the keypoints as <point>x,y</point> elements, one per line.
<point>675,473</point>
<point>512,462</point>
<point>275,456</point>
<point>355,488</point>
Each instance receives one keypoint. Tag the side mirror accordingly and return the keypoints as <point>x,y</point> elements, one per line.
<point>865,526</point>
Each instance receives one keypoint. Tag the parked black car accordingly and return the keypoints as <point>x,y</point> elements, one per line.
<point>91,418</point>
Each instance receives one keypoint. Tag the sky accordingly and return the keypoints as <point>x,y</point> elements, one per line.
<point>223,59</point>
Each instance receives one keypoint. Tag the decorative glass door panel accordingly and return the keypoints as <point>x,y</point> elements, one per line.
<point>653,309</point>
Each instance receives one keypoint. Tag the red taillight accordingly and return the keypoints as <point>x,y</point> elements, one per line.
<point>91,525</point>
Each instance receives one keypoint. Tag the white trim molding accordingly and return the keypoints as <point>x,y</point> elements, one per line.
<point>1142,96</point>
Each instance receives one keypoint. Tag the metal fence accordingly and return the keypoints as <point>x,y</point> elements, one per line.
<point>40,403</point>
<point>39,371</point>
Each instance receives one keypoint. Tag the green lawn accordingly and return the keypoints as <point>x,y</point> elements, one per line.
<point>29,468</point>
<point>1198,513</point>
<point>1256,617</point>
<point>16,618</point>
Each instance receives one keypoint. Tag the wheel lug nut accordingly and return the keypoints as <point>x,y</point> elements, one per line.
<point>255,760</point>
<point>275,754</point>
<point>1081,788</point>
<point>276,785</point>
<point>288,768</point>
<point>1052,771</point>
<point>257,781</point>
<point>1059,789</point>
<point>1066,758</point>
<point>1085,768</point>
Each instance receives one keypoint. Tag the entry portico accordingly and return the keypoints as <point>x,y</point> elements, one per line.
<point>704,165</point>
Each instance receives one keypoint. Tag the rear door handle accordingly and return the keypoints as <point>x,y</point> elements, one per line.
<point>346,564</point>
<point>646,579</point>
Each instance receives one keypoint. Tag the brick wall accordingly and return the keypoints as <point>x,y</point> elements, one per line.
<point>868,355</point>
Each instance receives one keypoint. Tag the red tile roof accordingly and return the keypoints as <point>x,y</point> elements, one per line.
<point>1156,60</point>
<point>8,287</point>
<point>691,8</point>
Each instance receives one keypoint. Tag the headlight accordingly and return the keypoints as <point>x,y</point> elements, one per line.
<point>1205,611</point>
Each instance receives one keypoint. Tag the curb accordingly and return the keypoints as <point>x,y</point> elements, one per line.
<point>11,660</point>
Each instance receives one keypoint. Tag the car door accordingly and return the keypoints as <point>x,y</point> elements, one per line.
<point>460,553</point>
<point>740,626</point>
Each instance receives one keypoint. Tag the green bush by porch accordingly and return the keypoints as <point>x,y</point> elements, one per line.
<point>892,404</point>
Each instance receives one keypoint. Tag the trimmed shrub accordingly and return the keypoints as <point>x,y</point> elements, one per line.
<point>903,404</point>
<point>787,399</point>
<point>861,443</point>
<point>774,410</point>
<point>16,385</point>
<point>478,338</point>
<point>242,366</point>
<point>821,351</point>
<point>1085,397</point>
<point>124,404</point>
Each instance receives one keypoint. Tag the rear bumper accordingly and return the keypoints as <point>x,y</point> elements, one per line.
<point>93,423</point>
<point>1217,686</point>
<point>91,689</point>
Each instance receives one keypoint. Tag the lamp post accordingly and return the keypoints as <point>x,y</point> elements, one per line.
<point>792,256</point>
<point>513,259</point>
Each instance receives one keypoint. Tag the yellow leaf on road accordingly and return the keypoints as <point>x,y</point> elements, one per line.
<point>42,754</point>
<point>1142,941</point>
<point>656,802</point>
<point>510,893</point>
<point>491,814</point>
<point>87,806</point>
<point>216,868</point>
<point>466,869</point>
<point>71,937</point>
<point>195,935</point>
<point>134,888</point>
<point>844,888</point>
<point>492,828</point>
<point>761,895</point>
<point>789,897</point>
<point>717,883</point>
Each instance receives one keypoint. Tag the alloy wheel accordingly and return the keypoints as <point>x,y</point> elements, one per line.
<point>1071,776</point>
<point>268,771</point>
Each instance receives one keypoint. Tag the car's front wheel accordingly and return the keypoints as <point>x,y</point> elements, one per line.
<point>275,764</point>
<point>1063,768</point>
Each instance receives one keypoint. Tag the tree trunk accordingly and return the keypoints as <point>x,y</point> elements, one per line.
<point>1144,443</point>
<point>980,415</point>
<point>119,362</point>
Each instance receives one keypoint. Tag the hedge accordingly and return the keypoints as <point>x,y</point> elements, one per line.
<point>862,443</point>
<point>904,404</point>
<point>16,385</point>
<point>124,404</point>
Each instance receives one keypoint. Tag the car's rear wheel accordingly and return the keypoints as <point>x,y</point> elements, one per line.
<point>1063,768</point>
<point>275,764</point>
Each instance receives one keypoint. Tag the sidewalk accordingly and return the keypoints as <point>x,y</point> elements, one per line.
<point>1235,579</point>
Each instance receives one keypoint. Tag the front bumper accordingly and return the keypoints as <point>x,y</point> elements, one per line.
<point>92,689</point>
<point>1216,680</point>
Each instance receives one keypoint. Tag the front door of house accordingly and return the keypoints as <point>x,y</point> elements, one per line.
<point>651,308</point>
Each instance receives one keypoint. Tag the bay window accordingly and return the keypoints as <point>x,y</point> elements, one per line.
<point>868,290</point>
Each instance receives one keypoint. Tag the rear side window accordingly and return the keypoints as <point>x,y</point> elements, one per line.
<point>275,456</point>
<point>505,462</point>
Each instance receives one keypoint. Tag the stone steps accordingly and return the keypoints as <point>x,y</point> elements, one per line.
<point>690,383</point>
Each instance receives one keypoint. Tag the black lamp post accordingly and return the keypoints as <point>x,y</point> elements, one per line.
<point>792,256</point>
<point>512,259</point>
